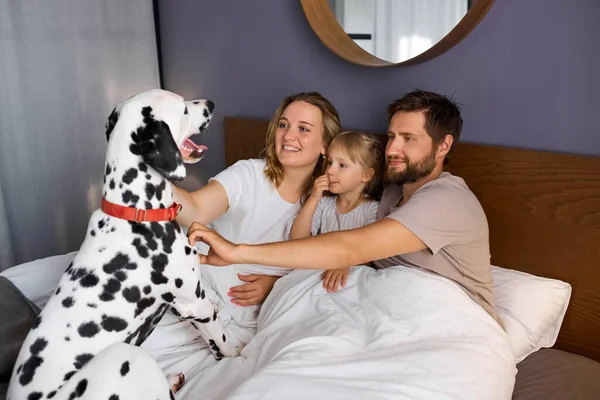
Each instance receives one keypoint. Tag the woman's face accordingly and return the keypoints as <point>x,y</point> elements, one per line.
<point>299,135</point>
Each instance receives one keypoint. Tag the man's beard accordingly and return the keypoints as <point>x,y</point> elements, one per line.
<point>413,170</point>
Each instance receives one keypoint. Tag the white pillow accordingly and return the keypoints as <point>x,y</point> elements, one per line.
<point>531,307</point>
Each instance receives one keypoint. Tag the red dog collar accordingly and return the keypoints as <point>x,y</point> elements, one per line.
<point>140,215</point>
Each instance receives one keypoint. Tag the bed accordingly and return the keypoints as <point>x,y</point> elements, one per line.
<point>543,211</point>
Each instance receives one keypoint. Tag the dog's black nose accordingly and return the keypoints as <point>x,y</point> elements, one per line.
<point>210,105</point>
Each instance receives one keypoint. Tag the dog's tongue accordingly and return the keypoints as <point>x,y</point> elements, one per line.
<point>192,145</point>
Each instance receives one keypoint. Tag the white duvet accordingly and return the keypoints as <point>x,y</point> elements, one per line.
<point>397,333</point>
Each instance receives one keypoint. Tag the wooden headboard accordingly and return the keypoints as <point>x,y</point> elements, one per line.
<point>543,211</point>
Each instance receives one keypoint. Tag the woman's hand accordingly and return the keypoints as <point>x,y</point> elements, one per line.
<point>222,252</point>
<point>254,292</point>
<point>333,278</point>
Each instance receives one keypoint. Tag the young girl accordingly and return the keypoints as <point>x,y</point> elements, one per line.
<point>353,181</point>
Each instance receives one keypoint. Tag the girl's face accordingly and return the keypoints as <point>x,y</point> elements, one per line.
<point>344,175</point>
<point>299,135</point>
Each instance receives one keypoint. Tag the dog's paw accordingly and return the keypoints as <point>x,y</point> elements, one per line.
<point>230,350</point>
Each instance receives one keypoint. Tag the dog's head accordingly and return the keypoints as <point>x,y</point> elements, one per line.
<point>157,126</point>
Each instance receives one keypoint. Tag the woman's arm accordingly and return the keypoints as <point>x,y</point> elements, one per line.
<point>204,205</point>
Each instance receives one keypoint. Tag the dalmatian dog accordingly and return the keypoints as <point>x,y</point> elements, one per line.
<point>134,264</point>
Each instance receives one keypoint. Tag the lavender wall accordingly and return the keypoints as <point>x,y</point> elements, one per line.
<point>527,76</point>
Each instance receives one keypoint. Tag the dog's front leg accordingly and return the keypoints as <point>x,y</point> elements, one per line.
<point>202,314</point>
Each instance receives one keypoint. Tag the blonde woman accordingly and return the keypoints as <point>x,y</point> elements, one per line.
<point>252,200</point>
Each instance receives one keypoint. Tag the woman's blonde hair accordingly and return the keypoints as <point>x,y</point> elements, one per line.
<point>364,150</point>
<point>331,127</point>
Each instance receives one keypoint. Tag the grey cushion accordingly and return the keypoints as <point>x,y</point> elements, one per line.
<point>17,315</point>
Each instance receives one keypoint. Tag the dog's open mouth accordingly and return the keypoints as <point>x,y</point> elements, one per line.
<point>192,152</point>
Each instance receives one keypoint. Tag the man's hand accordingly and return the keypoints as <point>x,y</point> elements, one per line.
<point>254,292</point>
<point>222,252</point>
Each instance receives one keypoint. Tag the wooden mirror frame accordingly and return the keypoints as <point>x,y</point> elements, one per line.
<point>325,25</point>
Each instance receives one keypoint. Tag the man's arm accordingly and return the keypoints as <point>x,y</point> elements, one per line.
<point>332,250</point>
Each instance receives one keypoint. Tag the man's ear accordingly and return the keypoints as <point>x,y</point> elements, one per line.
<point>445,146</point>
<point>155,144</point>
<point>112,121</point>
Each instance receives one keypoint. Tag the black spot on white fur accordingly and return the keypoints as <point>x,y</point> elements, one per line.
<point>132,294</point>
<point>158,266</point>
<point>67,302</point>
<point>215,348</point>
<point>150,190</point>
<point>159,190</point>
<point>79,389</point>
<point>33,362</point>
<point>141,249</point>
<point>88,329</point>
<point>82,359</point>
<point>113,324</point>
<point>110,125</point>
<point>143,304</point>
<point>129,198</point>
<point>35,396</point>
<point>89,280</point>
<point>118,262</point>
<point>121,275</point>
<point>110,288</point>
<point>68,375</point>
<point>130,175</point>
<point>125,368</point>
<point>178,283</point>
<point>168,297</point>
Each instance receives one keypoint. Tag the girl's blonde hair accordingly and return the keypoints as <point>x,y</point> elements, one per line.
<point>365,151</point>
<point>331,127</point>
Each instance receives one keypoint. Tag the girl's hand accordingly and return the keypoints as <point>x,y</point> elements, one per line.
<point>321,184</point>
<point>254,292</point>
<point>222,252</point>
<point>333,278</point>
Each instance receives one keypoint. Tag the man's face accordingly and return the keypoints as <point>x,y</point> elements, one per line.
<point>409,153</point>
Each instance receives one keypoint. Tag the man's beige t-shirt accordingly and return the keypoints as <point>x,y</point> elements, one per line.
<point>449,219</point>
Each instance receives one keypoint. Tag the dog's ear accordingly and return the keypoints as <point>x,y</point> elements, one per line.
<point>155,144</point>
<point>112,121</point>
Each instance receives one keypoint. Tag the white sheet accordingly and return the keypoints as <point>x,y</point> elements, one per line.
<point>397,333</point>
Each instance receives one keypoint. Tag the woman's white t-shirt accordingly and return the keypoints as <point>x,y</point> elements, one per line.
<point>256,214</point>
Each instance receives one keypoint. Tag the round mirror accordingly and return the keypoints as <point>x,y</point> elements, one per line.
<point>393,32</point>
